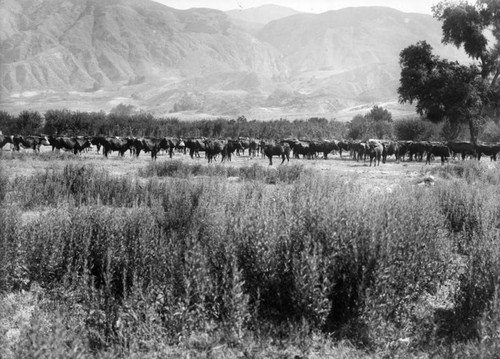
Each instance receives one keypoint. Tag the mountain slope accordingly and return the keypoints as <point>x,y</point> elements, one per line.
<point>262,14</point>
<point>356,47</point>
<point>61,44</point>
<point>95,54</point>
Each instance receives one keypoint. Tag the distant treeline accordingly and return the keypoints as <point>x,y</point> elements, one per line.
<point>75,123</point>
<point>377,123</point>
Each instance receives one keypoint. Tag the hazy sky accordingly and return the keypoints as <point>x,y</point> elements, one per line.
<point>316,6</point>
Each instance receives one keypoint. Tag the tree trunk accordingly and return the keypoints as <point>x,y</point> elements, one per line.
<point>474,130</point>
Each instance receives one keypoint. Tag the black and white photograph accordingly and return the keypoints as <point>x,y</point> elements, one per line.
<point>279,179</point>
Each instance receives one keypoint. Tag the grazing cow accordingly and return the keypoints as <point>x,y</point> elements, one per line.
<point>273,149</point>
<point>213,148</point>
<point>375,149</point>
<point>437,149</point>
<point>463,148</point>
<point>488,149</point>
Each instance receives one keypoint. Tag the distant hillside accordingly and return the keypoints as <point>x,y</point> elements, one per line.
<point>95,54</point>
<point>262,14</point>
<point>353,52</point>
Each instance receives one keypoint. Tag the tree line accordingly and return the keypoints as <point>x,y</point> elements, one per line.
<point>377,123</point>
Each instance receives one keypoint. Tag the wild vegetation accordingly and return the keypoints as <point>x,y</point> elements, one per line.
<point>250,261</point>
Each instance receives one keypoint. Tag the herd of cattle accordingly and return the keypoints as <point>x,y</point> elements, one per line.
<point>375,150</point>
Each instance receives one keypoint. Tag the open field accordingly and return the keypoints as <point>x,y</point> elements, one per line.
<point>125,257</point>
<point>388,174</point>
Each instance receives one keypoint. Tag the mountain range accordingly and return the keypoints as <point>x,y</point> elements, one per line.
<point>267,62</point>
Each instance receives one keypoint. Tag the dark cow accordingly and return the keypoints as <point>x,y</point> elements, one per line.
<point>253,147</point>
<point>213,148</point>
<point>297,147</point>
<point>375,149</point>
<point>391,148</point>
<point>230,147</point>
<point>358,150</point>
<point>195,145</point>
<point>110,144</point>
<point>135,146</point>
<point>273,149</point>
<point>417,150</point>
<point>151,144</point>
<point>244,144</point>
<point>488,149</point>
<point>344,146</point>
<point>168,144</point>
<point>33,142</point>
<point>463,148</point>
<point>437,149</point>
<point>403,149</point>
<point>75,144</point>
<point>324,147</point>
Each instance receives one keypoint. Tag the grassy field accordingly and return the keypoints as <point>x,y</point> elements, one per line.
<point>123,257</point>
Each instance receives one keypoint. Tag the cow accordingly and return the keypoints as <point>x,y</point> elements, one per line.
<point>110,144</point>
<point>135,146</point>
<point>417,150</point>
<point>297,147</point>
<point>168,144</point>
<point>488,149</point>
<point>463,148</point>
<point>253,148</point>
<point>324,147</point>
<point>375,149</point>
<point>273,149</point>
<point>195,145</point>
<point>358,150</point>
<point>244,144</point>
<point>230,147</point>
<point>403,149</point>
<point>33,142</point>
<point>391,148</point>
<point>213,148</point>
<point>344,146</point>
<point>437,149</point>
<point>75,144</point>
<point>151,144</point>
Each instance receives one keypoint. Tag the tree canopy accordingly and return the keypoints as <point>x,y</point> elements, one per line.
<point>447,90</point>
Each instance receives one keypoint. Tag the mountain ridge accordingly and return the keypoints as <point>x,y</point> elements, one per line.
<point>93,55</point>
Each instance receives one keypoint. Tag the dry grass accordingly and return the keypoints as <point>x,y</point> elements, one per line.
<point>309,259</point>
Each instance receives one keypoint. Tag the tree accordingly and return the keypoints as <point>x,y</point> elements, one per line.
<point>448,91</point>
<point>29,122</point>
<point>378,114</point>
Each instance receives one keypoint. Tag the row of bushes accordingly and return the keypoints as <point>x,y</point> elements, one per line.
<point>188,255</point>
